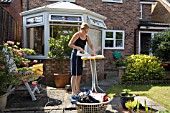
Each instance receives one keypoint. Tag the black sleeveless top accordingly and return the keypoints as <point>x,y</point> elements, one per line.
<point>81,43</point>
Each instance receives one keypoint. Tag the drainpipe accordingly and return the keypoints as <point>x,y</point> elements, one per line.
<point>135,39</point>
<point>28,6</point>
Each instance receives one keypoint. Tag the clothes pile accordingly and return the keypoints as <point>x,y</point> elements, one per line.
<point>89,97</point>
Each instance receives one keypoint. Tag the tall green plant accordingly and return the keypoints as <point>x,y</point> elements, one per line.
<point>142,67</point>
<point>160,45</point>
<point>59,49</point>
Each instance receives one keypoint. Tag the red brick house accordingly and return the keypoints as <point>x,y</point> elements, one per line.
<point>126,26</point>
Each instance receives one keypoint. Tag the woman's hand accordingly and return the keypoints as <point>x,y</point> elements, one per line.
<point>93,54</point>
<point>81,50</point>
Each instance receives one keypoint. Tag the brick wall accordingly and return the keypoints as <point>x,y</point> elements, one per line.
<point>146,11</point>
<point>53,66</point>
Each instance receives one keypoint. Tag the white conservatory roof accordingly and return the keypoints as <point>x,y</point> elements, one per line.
<point>63,7</point>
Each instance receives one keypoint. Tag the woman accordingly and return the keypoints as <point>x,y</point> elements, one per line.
<point>78,43</point>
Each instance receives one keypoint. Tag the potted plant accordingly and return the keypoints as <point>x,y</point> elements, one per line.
<point>130,105</point>
<point>120,63</point>
<point>125,96</point>
<point>60,51</point>
<point>7,80</point>
<point>8,77</point>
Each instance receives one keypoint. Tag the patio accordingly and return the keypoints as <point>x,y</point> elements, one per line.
<point>57,100</point>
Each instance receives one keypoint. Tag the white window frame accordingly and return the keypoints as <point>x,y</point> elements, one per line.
<point>140,11</point>
<point>117,1</point>
<point>82,19</point>
<point>61,0</point>
<point>114,38</point>
<point>98,23</point>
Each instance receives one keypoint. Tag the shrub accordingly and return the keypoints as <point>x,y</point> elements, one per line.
<point>120,63</point>
<point>160,45</point>
<point>142,67</point>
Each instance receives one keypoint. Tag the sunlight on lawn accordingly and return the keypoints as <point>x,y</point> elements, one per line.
<point>158,93</point>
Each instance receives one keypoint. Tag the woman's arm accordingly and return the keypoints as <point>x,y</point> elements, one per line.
<point>72,41</point>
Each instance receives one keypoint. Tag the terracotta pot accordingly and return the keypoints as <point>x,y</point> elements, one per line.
<point>61,80</point>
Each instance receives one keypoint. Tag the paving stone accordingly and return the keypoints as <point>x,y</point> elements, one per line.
<point>149,103</point>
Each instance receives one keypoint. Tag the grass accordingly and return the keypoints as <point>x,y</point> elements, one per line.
<point>158,93</point>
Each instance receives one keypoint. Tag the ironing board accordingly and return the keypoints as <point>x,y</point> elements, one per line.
<point>92,60</point>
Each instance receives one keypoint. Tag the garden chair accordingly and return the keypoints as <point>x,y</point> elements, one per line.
<point>24,75</point>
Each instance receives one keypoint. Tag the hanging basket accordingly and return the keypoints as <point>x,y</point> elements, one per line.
<point>61,80</point>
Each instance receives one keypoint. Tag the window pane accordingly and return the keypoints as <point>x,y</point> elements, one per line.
<point>35,39</point>
<point>66,18</point>
<point>119,43</point>
<point>36,19</point>
<point>109,34</point>
<point>109,43</point>
<point>64,34</point>
<point>119,35</point>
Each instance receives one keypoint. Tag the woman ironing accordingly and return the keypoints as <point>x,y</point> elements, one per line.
<point>78,43</point>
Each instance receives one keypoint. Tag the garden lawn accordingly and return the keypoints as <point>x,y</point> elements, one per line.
<point>158,93</point>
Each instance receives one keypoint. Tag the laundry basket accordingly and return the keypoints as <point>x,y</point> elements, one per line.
<point>92,107</point>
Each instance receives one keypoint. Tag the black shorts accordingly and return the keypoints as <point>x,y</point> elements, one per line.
<point>76,64</point>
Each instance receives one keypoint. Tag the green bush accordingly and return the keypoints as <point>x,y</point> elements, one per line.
<point>120,63</point>
<point>142,67</point>
<point>160,45</point>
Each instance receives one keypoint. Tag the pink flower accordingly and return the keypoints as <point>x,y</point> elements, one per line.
<point>10,42</point>
<point>34,83</point>
<point>25,80</point>
<point>1,58</point>
<point>2,67</point>
<point>25,63</point>
<point>20,53</point>
<point>15,50</point>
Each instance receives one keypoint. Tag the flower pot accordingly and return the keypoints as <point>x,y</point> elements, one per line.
<point>3,101</point>
<point>61,80</point>
<point>124,99</point>
<point>3,98</point>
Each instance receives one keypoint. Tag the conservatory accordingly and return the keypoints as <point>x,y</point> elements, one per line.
<point>56,20</point>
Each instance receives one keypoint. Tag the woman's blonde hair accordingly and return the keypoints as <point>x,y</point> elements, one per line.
<point>84,26</point>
